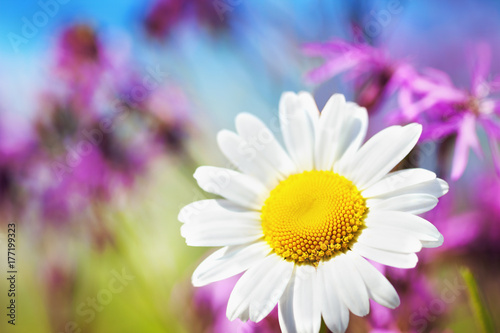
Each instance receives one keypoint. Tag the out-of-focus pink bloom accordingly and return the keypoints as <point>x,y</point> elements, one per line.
<point>460,228</point>
<point>376,76</point>
<point>487,207</point>
<point>79,164</point>
<point>169,108</point>
<point>211,301</point>
<point>416,312</point>
<point>70,188</point>
<point>17,156</point>
<point>468,220</point>
<point>86,71</point>
<point>80,62</point>
<point>445,110</point>
<point>164,15</point>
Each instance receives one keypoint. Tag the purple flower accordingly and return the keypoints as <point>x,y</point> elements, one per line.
<point>169,108</point>
<point>17,156</point>
<point>165,15</point>
<point>86,71</point>
<point>459,224</point>
<point>415,314</point>
<point>376,76</point>
<point>489,206</point>
<point>433,99</point>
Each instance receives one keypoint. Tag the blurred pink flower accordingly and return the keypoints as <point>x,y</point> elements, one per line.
<point>487,208</point>
<point>164,15</point>
<point>17,156</point>
<point>376,76</point>
<point>81,161</point>
<point>416,312</point>
<point>87,72</point>
<point>169,108</point>
<point>446,110</point>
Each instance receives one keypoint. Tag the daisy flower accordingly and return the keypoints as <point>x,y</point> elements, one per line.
<point>301,222</point>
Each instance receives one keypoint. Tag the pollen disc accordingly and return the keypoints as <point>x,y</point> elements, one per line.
<point>313,216</point>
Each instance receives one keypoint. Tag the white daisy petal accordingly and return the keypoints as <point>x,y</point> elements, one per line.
<point>245,157</point>
<point>341,130</point>
<point>334,311</point>
<point>351,287</point>
<point>393,259</point>
<point>257,292</point>
<point>285,308</point>
<point>220,233</point>
<point>381,153</point>
<point>397,180</point>
<point>353,133</point>
<point>242,189</point>
<point>228,262</point>
<point>218,222</point>
<point>297,127</point>
<point>306,297</point>
<point>435,243</point>
<point>274,282</point>
<point>264,144</point>
<point>379,288</point>
<point>308,103</point>
<point>416,203</point>
<point>214,209</point>
<point>436,187</point>
<point>407,182</point>
<point>390,240</point>
<point>405,222</point>
<point>330,128</point>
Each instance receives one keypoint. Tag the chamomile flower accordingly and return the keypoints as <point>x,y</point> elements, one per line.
<point>301,222</point>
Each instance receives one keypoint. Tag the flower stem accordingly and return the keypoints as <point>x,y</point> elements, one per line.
<point>479,309</point>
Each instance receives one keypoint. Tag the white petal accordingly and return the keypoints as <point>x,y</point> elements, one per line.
<point>436,243</point>
<point>285,308</point>
<point>436,187</point>
<point>404,181</point>
<point>330,128</point>
<point>411,224</point>
<point>257,292</point>
<point>218,222</point>
<point>394,259</point>
<point>381,153</point>
<point>309,104</point>
<point>298,129</point>
<point>242,189</point>
<point>264,143</point>
<point>379,288</point>
<point>416,203</point>
<point>245,157</point>
<point>228,262</point>
<point>335,312</point>
<point>390,240</point>
<point>306,300</point>
<point>351,287</point>
<point>213,209</point>
<point>354,132</point>
<point>397,180</point>
<point>222,232</point>
<point>273,283</point>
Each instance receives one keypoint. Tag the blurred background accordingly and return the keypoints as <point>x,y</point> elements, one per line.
<point>106,110</point>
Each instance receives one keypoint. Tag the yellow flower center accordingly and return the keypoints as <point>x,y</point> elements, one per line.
<point>313,216</point>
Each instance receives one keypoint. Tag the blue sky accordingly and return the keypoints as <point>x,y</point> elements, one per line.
<point>113,12</point>
<point>267,30</point>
